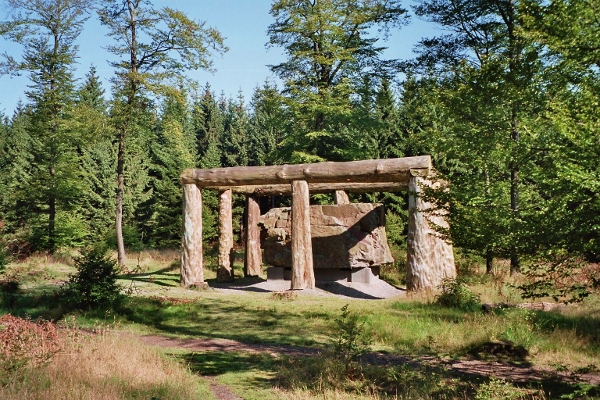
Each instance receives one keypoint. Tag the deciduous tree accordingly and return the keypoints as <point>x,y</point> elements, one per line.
<point>154,45</point>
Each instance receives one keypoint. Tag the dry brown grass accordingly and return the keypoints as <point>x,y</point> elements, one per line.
<point>104,365</point>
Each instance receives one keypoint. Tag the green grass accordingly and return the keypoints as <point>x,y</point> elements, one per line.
<point>568,339</point>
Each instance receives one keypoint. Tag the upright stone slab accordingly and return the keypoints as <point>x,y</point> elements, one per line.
<point>341,197</point>
<point>253,260</point>
<point>430,259</point>
<point>225,268</point>
<point>192,270</point>
<point>303,276</point>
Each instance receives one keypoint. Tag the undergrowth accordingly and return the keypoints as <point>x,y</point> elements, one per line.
<point>456,294</point>
<point>40,361</point>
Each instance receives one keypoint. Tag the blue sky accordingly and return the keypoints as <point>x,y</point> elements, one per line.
<point>244,67</point>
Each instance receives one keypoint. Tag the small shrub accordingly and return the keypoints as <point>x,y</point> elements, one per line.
<point>94,285</point>
<point>338,368</point>
<point>4,260</point>
<point>455,294</point>
<point>351,342</point>
<point>25,343</point>
<point>284,295</point>
<point>499,389</point>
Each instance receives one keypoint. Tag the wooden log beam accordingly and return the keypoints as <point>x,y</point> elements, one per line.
<point>386,170</point>
<point>192,270</point>
<point>253,260</point>
<point>303,276</point>
<point>314,188</point>
<point>225,268</point>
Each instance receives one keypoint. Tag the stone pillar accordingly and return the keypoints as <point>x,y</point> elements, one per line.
<point>192,270</point>
<point>253,260</point>
<point>341,197</point>
<point>303,276</point>
<point>430,259</point>
<point>225,268</point>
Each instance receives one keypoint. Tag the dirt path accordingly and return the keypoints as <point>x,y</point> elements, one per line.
<point>221,392</point>
<point>472,367</point>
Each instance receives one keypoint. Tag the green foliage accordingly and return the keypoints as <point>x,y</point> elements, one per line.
<point>268,124</point>
<point>351,341</point>
<point>155,47</point>
<point>340,367</point>
<point>47,31</point>
<point>132,238</point>
<point>4,258</point>
<point>560,276</point>
<point>455,294</point>
<point>94,285</point>
<point>499,389</point>
<point>330,49</point>
<point>172,150</point>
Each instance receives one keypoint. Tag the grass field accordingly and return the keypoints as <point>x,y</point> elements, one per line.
<point>101,357</point>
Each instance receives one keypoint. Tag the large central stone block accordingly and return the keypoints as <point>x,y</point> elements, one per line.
<point>343,236</point>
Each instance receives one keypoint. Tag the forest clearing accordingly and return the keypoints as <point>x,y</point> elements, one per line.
<point>250,339</point>
<point>500,98</point>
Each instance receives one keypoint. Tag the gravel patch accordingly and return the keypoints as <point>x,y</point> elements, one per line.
<point>378,289</point>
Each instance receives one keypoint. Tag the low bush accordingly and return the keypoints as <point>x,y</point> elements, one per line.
<point>455,294</point>
<point>94,285</point>
<point>23,344</point>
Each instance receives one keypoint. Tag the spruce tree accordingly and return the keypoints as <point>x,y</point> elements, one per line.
<point>47,30</point>
<point>90,117</point>
<point>172,150</point>
<point>268,124</point>
<point>329,47</point>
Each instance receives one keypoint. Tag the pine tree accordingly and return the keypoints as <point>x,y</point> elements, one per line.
<point>268,124</point>
<point>235,136</point>
<point>15,171</point>
<point>209,124</point>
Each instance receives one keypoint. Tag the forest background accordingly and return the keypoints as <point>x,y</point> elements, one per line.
<point>505,100</point>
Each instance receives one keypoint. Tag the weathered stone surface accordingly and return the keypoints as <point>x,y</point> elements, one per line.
<point>343,236</point>
<point>192,271</point>
<point>253,260</point>
<point>225,268</point>
<point>303,274</point>
<point>430,259</point>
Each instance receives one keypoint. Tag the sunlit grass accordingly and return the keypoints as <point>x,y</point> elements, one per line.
<point>414,326</point>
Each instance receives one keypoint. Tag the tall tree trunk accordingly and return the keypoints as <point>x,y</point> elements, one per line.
<point>121,256</point>
<point>515,262</point>
<point>52,223</point>
<point>489,262</point>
